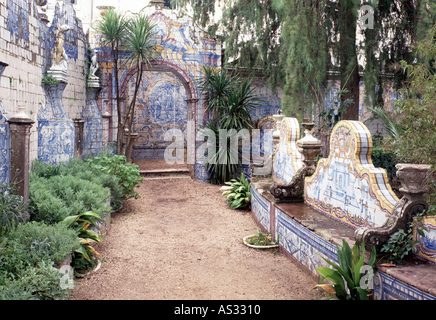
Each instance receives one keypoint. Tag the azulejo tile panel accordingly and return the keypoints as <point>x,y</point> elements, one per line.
<point>288,159</point>
<point>201,172</point>
<point>304,245</point>
<point>18,19</point>
<point>346,185</point>
<point>161,106</point>
<point>5,156</point>
<point>261,209</point>
<point>426,245</point>
<point>5,146</point>
<point>387,287</point>
<point>55,140</point>
<point>92,130</point>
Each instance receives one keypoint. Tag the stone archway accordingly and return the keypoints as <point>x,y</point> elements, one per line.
<point>191,100</point>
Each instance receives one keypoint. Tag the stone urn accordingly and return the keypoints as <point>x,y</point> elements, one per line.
<point>412,178</point>
<point>309,146</point>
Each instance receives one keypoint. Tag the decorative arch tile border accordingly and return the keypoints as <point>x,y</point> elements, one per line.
<point>346,185</point>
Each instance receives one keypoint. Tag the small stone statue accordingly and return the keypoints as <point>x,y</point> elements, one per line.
<point>94,65</point>
<point>60,62</point>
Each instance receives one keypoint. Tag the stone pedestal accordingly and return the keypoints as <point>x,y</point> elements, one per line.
<point>20,125</point>
<point>276,134</point>
<point>93,128</point>
<point>56,138</point>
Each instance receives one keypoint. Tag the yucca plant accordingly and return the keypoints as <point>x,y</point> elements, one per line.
<point>225,163</point>
<point>215,85</point>
<point>231,102</point>
<point>82,223</point>
<point>141,48</point>
<point>238,193</point>
<point>113,30</point>
<point>349,283</point>
<point>241,101</point>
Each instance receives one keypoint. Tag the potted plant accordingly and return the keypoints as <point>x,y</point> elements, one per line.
<point>260,240</point>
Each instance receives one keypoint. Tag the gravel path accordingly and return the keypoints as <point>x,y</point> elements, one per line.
<point>180,241</point>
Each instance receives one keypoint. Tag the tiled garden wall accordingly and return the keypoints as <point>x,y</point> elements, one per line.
<point>26,42</point>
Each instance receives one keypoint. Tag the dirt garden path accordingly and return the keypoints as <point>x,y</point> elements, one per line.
<point>180,241</point>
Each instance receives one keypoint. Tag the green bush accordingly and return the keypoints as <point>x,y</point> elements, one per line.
<point>41,282</point>
<point>411,123</point>
<point>12,210</point>
<point>27,261</point>
<point>384,158</point>
<point>58,197</point>
<point>36,241</point>
<point>128,173</point>
<point>82,170</point>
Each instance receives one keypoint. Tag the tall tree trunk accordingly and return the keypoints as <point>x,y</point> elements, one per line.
<point>120,133</point>
<point>349,67</point>
<point>128,121</point>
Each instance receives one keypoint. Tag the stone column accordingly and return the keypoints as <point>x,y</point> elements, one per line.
<point>191,136</point>
<point>93,128</point>
<point>106,118</point>
<point>20,125</point>
<point>78,142</point>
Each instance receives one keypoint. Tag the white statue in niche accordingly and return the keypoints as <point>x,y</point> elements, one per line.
<point>94,65</point>
<point>60,62</point>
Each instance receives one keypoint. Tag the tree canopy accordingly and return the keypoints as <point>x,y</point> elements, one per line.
<point>298,43</point>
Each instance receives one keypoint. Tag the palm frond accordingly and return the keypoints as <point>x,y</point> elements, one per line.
<point>394,129</point>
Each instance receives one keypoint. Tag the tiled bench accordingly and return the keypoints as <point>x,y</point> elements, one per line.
<point>345,197</point>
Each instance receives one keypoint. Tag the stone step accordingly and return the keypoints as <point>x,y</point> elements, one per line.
<point>165,173</point>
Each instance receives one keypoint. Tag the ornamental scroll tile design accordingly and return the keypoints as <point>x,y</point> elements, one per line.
<point>287,159</point>
<point>346,186</point>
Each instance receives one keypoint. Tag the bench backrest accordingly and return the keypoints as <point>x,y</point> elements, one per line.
<point>346,185</point>
<point>287,159</point>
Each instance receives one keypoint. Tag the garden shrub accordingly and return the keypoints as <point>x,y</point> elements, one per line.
<point>36,241</point>
<point>56,198</point>
<point>82,170</point>
<point>28,258</point>
<point>128,173</point>
<point>238,193</point>
<point>384,158</point>
<point>41,282</point>
<point>12,210</point>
